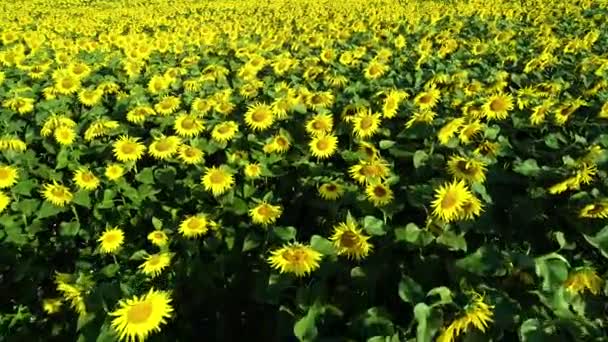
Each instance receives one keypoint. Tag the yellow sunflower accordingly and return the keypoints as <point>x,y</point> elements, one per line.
<point>295,258</point>
<point>472,208</point>
<point>225,131</point>
<point>85,179</point>
<point>111,240</point>
<point>138,317</point>
<point>366,124</point>
<point>391,103</point>
<point>331,191</point>
<point>375,70</point>
<point>66,84</point>
<point>57,194</point>
<point>467,169</point>
<point>279,144</point>
<point>497,106</point>
<point>168,105</point>
<point>8,176</point>
<point>476,314</point>
<point>65,135</point>
<point>369,171</point>
<point>114,171</point>
<point>319,124</point>
<point>194,226</point>
<point>427,99</point>
<point>190,154</point>
<point>188,126</point>
<point>218,180</point>
<point>379,194</point>
<point>259,116</point>
<point>450,200</point>
<point>128,149</point>
<point>201,106</point>
<point>158,238</point>
<point>320,100</point>
<point>323,146</point>
<point>4,201</point>
<point>265,213</point>
<point>164,148</point>
<point>158,84</point>
<point>449,130</point>
<point>349,240</point>
<point>139,114</point>
<point>595,210</point>
<point>253,170</point>
<point>154,264</point>
<point>90,97</point>
<point>584,279</point>
<point>51,305</point>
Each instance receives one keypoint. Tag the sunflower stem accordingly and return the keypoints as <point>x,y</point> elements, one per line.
<point>75,214</point>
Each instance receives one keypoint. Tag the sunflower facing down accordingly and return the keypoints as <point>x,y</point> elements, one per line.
<point>218,180</point>
<point>295,258</point>
<point>57,194</point>
<point>450,200</point>
<point>265,213</point>
<point>85,179</point>
<point>155,264</point>
<point>595,210</point>
<point>323,146</point>
<point>51,305</point>
<point>584,279</point>
<point>477,314</point>
<point>111,240</point>
<point>138,317</point>
<point>349,240</point>
<point>379,194</point>
<point>331,191</point>
<point>470,170</point>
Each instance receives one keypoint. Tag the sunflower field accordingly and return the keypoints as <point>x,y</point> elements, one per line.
<point>299,170</point>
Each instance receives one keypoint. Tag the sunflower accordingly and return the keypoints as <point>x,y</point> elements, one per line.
<point>472,208</point>
<point>155,264</point>
<point>64,135</point>
<point>369,171</point>
<point>295,258</point>
<point>66,84</point>
<point>201,106</point>
<point>8,176</point>
<point>595,210</point>
<point>391,103</point>
<point>320,100</point>
<point>12,144</point>
<point>375,70</point>
<point>379,194</point>
<point>319,124</point>
<point>138,317</point>
<point>450,200</point>
<point>167,105</point>
<point>470,170</point>
<point>427,100</point>
<point>497,106</point>
<point>74,294</point>
<point>4,201</point>
<point>51,305</point>
<point>139,114</point>
<point>158,238</point>
<point>259,116</point>
<point>323,146</point>
<point>477,314</point>
<point>253,170</point>
<point>90,97</point>
<point>57,194</point>
<point>603,114</point>
<point>218,180</point>
<point>114,171</point>
<point>265,213</point>
<point>225,131</point>
<point>128,149</point>
<point>188,126</point>
<point>190,154</point>
<point>449,130</point>
<point>279,144</point>
<point>111,240</point>
<point>369,151</point>
<point>584,279</point>
<point>164,148</point>
<point>366,124</point>
<point>85,179</point>
<point>349,240</point>
<point>158,84</point>
<point>331,191</point>
<point>194,226</point>
<point>469,131</point>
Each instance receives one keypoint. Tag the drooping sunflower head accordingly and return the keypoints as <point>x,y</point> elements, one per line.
<point>468,169</point>
<point>295,258</point>
<point>595,210</point>
<point>584,279</point>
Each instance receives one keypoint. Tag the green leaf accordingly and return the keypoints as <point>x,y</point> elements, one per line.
<point>108,199</point>
<point>110,270</point>
<point>48,209</point>
<point>157,223</point>
<point>427,324</point>
<point>444,293</point>
<point>285,233</point>
<point>62,158</point>
<point>420,158</point>
<point>386,144</point>
<point>239,206</point>
<point>552,141</point>
<point>14,233</point>
<point>26,206</point>
<point>166,176</point>
<point>414,235</point>
<point>24,187</point>
<point>528,168</point>
<point>599,241</point>
<point>530,331</point>
<point>485,261</point>
<point>248,190</point>
<point>322,245</point>
<point>305,328</point>
<point>300,108</point>
<point>145,176</point>
<point>453,241</point>
<point>69,228</point>
<point>374,226</point>
<point>82,198</point>
<point>139,255</point>
<point>409,290</point>
<point>106,334</point>
<point>251,242</point>
<point>553,269</point>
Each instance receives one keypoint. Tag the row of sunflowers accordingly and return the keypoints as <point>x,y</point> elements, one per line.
<point>303,170</point>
